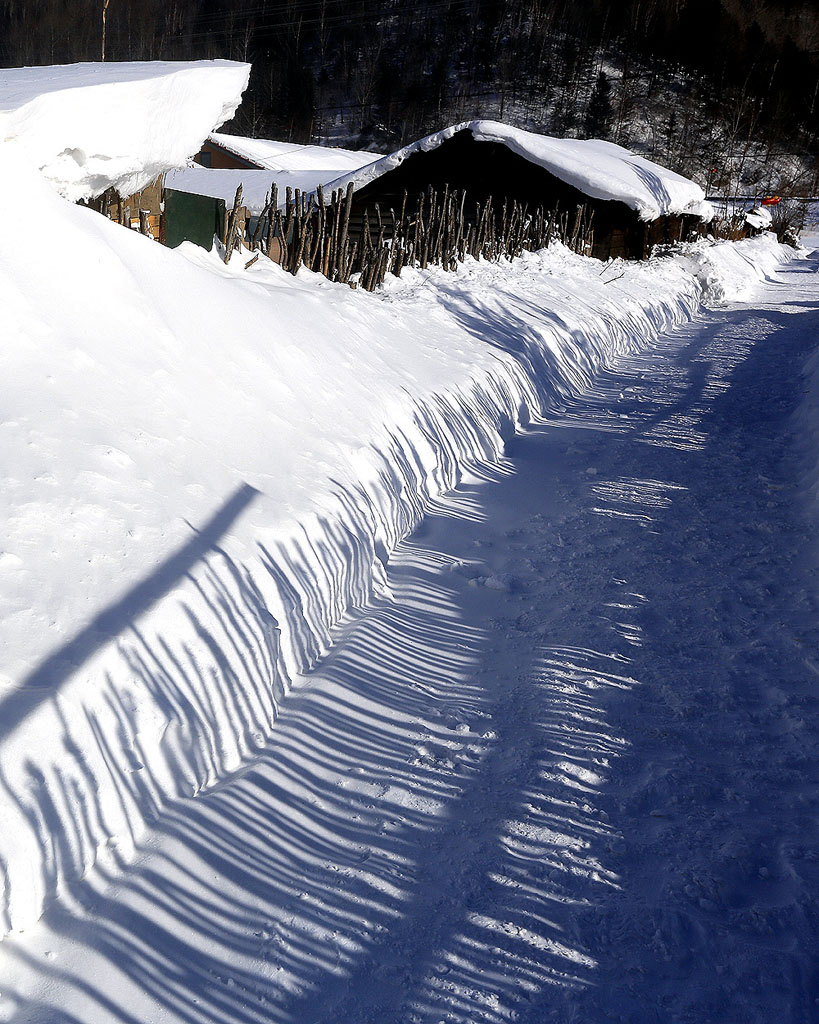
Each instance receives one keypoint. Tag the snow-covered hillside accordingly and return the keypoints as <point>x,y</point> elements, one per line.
<point>206,467</point>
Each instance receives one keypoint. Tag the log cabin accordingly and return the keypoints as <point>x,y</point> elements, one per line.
<point>636,204</point>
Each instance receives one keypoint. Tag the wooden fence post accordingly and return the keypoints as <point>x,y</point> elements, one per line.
<point>230,234</point>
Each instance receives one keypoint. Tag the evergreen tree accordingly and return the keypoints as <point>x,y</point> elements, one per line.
<point>599,112</point>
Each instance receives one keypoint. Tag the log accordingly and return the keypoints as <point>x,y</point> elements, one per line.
<point>274,219</point>
<point>230,234</point>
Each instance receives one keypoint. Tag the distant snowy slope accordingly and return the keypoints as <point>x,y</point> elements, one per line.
<point>599,169</point>
<point>205,467</point>
<point>90,126</point>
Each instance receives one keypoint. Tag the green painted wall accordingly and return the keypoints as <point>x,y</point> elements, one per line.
<point>192,218</point>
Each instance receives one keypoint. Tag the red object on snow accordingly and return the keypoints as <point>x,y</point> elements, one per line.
<point>771,201</point>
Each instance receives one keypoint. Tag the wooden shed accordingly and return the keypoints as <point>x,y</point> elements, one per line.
<point>305,164</point>
<point>141,211</point>
<point>221,155</point>
<point>635,204</point>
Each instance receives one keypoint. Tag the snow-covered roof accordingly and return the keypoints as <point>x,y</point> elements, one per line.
<point>302,167</point>
<point>759,218</point>
<point>222,184</point>
<point>601,170</point>
<point>293,157</point>
<point>90,126</point>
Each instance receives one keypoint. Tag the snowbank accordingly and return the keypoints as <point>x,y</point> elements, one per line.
<point>729,272</point>
<point>599,169</point>
<point>88,127</point>
<point>205,468</point>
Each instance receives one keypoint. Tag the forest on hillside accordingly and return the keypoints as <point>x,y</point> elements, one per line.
<point>724,90</point>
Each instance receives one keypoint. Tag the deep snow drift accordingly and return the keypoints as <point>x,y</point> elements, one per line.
<point>88,127</point>
<point>205,468</point>
<point>564,771</point>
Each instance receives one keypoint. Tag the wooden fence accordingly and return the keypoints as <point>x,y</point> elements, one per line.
<point>436,229</point>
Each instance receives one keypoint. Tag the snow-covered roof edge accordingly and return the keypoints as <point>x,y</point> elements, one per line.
<point>220,140</point>
<point>271,154</point>
<point>601,170</point>
<point>759,217</point>
<point>88,127</point>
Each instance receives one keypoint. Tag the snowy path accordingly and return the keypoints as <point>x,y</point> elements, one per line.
<point>568,773</point>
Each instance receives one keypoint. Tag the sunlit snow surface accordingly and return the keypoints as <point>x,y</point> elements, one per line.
<point>563,768</point>
<point>285,163</point>
<point>205,468</point>
<point>89,127</point>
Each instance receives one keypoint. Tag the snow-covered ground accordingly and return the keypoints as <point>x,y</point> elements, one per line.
<point>206,468</point>
<point>564,766</point>
<point>263,757</point>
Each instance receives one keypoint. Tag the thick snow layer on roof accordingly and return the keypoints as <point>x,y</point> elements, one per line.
<point>256,185</point>
<point>759,217</point>
<point>285,163</point>
<point>222,184</point>
<point>292,157</point>
<point>87,127</point>
<point>599,169</point>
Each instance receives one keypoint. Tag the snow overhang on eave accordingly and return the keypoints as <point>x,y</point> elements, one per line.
<point>89,127</point>
<point>601,170</point>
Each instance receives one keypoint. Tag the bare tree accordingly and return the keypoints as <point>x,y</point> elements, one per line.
<point>104,13</point>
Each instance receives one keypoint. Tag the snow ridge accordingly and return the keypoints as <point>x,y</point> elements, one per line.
<point>347,414</point>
